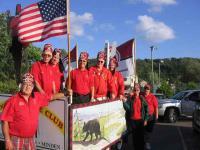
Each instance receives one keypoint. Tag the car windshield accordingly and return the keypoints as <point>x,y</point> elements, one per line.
<point>159,96</point>
<point>179,96</point>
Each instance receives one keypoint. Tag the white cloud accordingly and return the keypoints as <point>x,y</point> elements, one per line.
<point>78,22</point>
<point>155,5</point>
<point>154,31</point>
<point>105,27</point>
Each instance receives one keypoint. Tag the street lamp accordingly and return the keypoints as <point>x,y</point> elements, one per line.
<point>152,73</point>
<point>161,61</point>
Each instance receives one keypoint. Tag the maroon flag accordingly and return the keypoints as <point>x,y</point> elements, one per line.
<point>125,50</point>
<point>42,20</point>
<point>73,56</point>
<point>125,55</point>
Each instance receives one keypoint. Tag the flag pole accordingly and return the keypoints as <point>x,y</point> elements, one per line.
<point>107,47</point>
<point>68,44</point>
<point>76,55</point>
<point>135,59</point>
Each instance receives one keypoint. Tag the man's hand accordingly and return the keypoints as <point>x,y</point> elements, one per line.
<point>145,123</point>
<point>124,99</point>
<point>9,145</point>
<point>121,97</point>
<point>69,92</point>
<point>156,117</point>
<point>113,96</point>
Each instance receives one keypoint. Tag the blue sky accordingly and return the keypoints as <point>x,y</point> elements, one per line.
<point>171,25</point>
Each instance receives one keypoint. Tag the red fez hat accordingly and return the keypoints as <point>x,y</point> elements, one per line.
<point>101,55</point>
<point>114,60</point>
<point>83,56</point>
<point>48,47</point>
<point>28,78</point>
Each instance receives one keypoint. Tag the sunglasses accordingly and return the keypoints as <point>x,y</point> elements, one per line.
<point>101,61</point>
<point>46,55</point>
<point>136,90</point>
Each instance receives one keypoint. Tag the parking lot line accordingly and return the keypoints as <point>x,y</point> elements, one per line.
<point>182,139</point>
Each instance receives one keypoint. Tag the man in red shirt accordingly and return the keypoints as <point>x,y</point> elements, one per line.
<point>82,83</point>
<point>102,78</point>
<point>153,114</point>
<point>42,72</point>
<point>117,79</point>
<point>20,115</point>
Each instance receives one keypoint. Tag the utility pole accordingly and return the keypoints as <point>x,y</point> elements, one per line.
<point>152,72</point>
<point>161,61</point>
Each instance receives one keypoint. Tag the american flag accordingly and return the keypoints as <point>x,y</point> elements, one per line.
<point>42,20</point>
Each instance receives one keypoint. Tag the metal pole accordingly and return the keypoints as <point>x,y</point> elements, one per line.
<point>159,67</point>
<point>159,73</point>
<point>152,73</point>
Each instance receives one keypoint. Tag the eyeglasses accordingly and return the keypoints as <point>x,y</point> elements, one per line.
<point>84,61</point>
<point>46,55</point>
<point>146,88</point>
<point>101,61</point>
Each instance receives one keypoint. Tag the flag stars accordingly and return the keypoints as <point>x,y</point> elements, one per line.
<point>52,8</point>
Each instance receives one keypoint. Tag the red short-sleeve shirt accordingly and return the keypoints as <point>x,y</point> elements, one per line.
<point>118,83</point>
<point>22,115</point>
<point>43,74</point>
<point>81,81</point>
<point>58,77</point>
<point>152,103</point>
<point>102,81</point>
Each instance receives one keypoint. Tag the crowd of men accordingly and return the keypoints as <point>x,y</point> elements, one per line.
<point>44,82</point>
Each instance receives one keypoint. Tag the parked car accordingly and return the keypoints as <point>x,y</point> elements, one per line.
<point>181,104</point>
<point>159,96</point>
<point>196,118</point>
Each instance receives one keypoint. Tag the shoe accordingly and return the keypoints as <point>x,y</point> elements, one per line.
<point>147,146</point>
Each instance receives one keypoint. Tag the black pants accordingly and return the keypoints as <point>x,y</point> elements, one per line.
<point>149,128</point>
<point>80,99</point>
<point>138,134</point>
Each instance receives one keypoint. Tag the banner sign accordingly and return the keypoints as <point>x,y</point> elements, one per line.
<point>96,125</point>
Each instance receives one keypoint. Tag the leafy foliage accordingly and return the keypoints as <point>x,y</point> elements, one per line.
<point>176,74</point>
<point>7,72</point>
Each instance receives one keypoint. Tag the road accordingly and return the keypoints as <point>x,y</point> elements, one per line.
<point>175,136</point>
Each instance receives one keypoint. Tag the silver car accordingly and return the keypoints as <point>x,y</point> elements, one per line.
<point>182,103</point>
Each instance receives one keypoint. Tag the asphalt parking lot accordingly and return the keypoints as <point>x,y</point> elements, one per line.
<point>173,136</point>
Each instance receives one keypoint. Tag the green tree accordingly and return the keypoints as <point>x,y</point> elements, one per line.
<point>8,82</point>
<point>30,55</point>
<point>166,89</point>
<point>7,72</point>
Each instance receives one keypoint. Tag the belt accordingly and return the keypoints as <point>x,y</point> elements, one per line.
<point>77,94</point>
